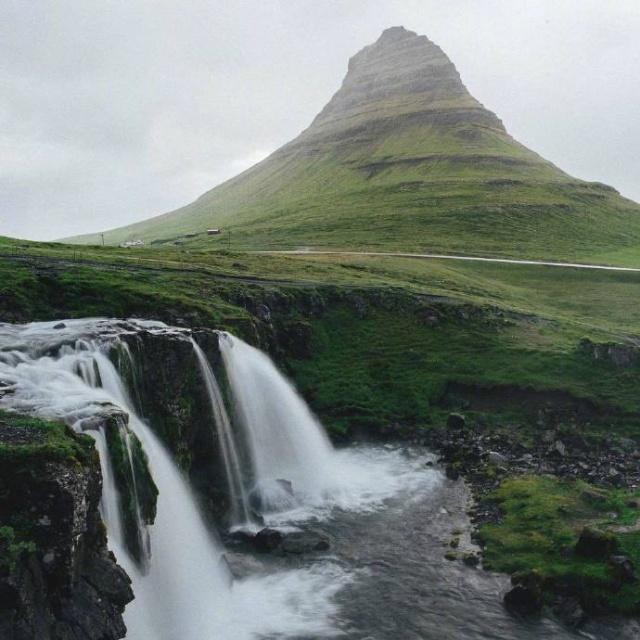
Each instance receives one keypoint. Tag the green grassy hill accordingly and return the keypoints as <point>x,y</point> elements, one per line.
<point>404,158</point>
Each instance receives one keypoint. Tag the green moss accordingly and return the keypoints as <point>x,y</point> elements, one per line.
<point>26,444</point>
<point>542,520</point>
<point>137,490</point>
<point>40,440</point>
<point>12,549</point>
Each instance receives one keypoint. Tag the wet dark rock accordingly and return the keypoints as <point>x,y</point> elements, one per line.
<point>570,612</point>
<point>526,596</point>
<point>267,540</point>
<point>66,585</point>
<point>60,325</point>
<point>167,390</point>
<point>595,544</point>
<point>108,579</point>
<point>287,485</point>
<point>522,601</point>
<point>456,421</point>
<point>451,472</point>
<point>300,542</point>
<point>622,570</point>
<point>471,559</point>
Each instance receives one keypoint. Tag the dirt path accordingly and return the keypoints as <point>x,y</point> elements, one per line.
<point>436,256</point>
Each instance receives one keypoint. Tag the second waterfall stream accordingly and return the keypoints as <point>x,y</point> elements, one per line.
<point>291,456</point>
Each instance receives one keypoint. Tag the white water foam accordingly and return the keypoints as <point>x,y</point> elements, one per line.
<point>287,444</point>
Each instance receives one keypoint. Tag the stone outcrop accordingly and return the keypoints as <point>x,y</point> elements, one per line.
<point>169,394</point>
<point>62,583</point>
<point>621,356</point>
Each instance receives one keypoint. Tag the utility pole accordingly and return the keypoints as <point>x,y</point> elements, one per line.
<point>102,234</point>
<point>229,242</point>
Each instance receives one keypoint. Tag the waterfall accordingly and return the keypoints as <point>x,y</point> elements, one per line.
<point>62,371</point>
<point>231,460</point>
<point>291,455</point>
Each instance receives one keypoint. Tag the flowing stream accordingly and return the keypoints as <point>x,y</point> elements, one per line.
<point>386,509</point>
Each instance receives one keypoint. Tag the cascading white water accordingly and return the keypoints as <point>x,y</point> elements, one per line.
<point>187,592</point>
<point>287,443</point>
<point>298,475</point>
<point>239,500</point>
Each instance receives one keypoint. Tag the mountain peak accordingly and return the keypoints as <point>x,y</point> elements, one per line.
<point>401,75</point>
<point>394,34</point>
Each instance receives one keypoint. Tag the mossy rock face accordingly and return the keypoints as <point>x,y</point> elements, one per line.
<point>12,549</point>
<point>56,572</point>
<point>138,492</point>
<point>166,385</point>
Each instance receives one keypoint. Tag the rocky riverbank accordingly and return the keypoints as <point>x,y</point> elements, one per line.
<point>596,477</point>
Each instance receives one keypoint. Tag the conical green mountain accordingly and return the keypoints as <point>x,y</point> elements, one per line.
<point>403,157</point>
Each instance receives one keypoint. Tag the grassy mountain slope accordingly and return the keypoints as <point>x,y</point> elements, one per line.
<point>404,158</point>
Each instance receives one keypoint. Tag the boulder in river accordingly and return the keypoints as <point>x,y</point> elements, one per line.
<point>570,612</point>
<point>526,596</point>
<point>267,540</point>
<point>304,542</point>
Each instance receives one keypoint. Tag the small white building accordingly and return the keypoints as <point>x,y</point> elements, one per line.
<point>132,243</point>
<point>214,232</point>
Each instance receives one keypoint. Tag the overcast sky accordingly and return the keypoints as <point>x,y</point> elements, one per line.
<point>114,111</point>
